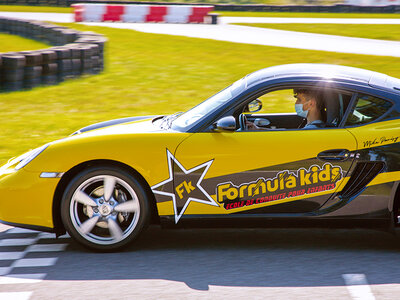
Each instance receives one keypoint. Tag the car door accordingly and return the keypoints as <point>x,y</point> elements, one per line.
<point>262,172</point>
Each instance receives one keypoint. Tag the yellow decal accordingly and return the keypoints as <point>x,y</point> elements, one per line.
<point>285,184</point>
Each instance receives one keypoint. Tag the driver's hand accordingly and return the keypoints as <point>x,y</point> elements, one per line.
<point>251,126</point>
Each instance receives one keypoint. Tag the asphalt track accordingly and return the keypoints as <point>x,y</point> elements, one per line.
<point>204,264</point>
<point>252,35</point>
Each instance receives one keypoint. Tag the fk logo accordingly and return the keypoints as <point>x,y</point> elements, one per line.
<point>184,187</point>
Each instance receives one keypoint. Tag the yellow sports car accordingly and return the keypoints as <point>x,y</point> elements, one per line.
<point>236,159</point>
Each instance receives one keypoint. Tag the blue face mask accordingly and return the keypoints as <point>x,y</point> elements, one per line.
<point>299,110</point>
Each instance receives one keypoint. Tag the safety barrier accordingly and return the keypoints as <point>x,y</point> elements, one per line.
<point>76,53</point>
<point>98,12</point>
<point>336,8</point>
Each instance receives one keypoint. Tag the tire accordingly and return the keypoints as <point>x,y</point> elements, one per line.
<point>70,36</point>
<point>62,52</point>
<point>48,56</point>
<point>13,61</point>
<point>32,58</point>
<point>32,72</point>
<point>99,223</point>
<point>76,67</point>
<point>49,69</point>
<point>13,75</point>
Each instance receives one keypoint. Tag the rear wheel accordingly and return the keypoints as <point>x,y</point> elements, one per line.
<point>104,208</point>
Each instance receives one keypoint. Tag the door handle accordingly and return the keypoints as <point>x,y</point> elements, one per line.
<point>334,155</point>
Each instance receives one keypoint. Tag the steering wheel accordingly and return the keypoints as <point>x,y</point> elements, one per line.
<point>243,122</point>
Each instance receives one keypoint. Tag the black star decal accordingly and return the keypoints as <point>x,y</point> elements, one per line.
<point>187,185</point>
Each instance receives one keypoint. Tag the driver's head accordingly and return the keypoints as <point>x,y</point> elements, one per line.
<point>308,100</point>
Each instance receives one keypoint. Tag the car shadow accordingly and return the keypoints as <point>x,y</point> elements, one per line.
<point>241,257</point>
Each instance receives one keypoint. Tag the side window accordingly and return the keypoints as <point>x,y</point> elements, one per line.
<point>367,109</point>
<point>278,109</point>
<point>277,112</point>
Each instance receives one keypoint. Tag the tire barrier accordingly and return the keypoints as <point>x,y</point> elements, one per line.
<point>98,12</point>
<point>74,53</point>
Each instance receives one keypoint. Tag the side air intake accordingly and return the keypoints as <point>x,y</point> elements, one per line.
<point>363,174</point>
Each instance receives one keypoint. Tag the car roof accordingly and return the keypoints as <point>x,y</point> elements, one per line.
<point>374,79</point>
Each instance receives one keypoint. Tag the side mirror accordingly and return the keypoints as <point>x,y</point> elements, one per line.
<point>225,124</point>
<point>254,106</point>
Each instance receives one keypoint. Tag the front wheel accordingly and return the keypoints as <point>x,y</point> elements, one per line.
<point>104,208</point>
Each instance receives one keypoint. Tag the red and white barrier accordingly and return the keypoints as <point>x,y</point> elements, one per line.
<point>85,12</point>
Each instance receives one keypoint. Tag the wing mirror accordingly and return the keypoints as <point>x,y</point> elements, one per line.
<point>254,106</point>
<point>225,124</point>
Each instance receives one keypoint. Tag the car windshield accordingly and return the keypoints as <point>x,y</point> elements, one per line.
<point>188,118</point>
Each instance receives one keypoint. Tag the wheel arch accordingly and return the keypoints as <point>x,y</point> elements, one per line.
<point>70,174</point>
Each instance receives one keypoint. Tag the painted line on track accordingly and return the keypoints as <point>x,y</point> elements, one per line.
<point>15,296</point>
<point>358,287</point>
<point>31,242</point>
<point>22,278</point>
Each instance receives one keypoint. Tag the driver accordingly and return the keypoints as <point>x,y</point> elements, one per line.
<point>310,105</point>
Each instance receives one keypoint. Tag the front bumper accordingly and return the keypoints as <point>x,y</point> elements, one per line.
<point>26,198</point>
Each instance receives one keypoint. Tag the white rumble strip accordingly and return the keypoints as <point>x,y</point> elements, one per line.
<point>15,296</point>
<point>19,261</point>
<point>358,287</point>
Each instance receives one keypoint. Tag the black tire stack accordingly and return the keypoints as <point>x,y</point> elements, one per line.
<point>75,53</point>
<point>13,71</point>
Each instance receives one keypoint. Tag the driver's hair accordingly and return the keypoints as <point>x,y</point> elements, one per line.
<point>313,94</point>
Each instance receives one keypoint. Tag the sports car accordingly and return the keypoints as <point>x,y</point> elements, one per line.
<point>207,167</point>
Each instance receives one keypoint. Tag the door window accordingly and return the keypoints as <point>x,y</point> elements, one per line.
<point>367,109</point>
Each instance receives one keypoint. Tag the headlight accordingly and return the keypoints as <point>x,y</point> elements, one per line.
<point>26,158</point>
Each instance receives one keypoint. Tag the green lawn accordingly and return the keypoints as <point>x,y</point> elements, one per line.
<point>20,8</point>
<point>10,43</point>
<point>381,32</point>
<point>146,74</point>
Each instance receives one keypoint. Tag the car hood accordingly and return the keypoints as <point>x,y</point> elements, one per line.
<point>136,126</point>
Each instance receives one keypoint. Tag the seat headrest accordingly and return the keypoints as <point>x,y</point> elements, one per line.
<point>332,108</point>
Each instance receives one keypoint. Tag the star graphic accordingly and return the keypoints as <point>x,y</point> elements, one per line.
<point>184,186</point>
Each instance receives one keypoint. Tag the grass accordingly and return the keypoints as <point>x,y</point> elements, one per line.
<point>44,9</point>
<point>380,32</point>
<point>146,74</point>
<point>11,43</point>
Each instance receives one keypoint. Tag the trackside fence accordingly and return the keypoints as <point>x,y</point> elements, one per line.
<point>336,8</point>
<point>73,53</point>
<point>100,12</point>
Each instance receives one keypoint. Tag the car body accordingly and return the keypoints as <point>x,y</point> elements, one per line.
<point>105,183</point>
